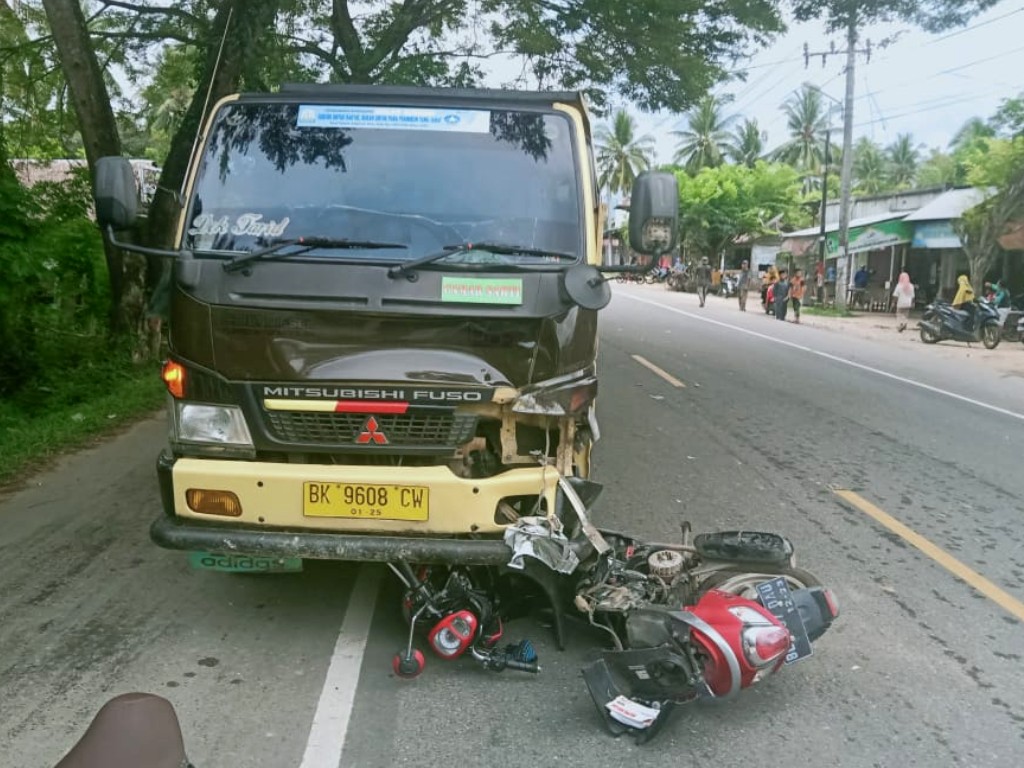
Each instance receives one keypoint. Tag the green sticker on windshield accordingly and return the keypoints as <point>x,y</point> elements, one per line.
<point>482,290</point>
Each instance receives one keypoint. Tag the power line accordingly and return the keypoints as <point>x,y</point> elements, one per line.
<point>948,103</point>
<point>980,61</point>
<point>971,27</point>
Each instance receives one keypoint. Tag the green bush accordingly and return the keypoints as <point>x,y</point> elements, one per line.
<point>54,295</point>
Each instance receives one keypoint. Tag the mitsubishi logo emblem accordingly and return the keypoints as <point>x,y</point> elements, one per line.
<point>371,432</point>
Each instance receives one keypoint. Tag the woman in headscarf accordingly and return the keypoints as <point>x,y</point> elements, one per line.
<point>904,295</point>
<point>964,292</point>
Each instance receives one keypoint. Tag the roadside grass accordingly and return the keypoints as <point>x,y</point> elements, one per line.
<point>828,311</point>
<point>87,405</point>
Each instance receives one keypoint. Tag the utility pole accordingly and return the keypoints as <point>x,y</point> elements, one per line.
<point>824,202</point>
<point>845,180</point>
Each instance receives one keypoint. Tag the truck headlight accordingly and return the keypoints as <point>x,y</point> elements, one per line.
<point>211,425</point>
<point>552,398</point>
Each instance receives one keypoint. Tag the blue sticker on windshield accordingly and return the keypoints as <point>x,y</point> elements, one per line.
<point>401,118</point>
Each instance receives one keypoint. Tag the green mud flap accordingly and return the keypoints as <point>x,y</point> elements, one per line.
<point>234,563</point>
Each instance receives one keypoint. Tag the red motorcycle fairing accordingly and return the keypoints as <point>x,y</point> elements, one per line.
<point>713,609</point>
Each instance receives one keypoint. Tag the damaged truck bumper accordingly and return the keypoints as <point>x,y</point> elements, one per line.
<point>191,536</point>
<point>270,519</point>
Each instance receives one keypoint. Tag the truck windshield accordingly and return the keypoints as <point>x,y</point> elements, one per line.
<point>421,178</point>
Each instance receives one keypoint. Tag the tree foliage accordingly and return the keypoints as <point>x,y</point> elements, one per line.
<point>53,298</point>
<point>930,15</point>
<point>1000,167</point>
<point>903,158</point>
<point>746,145</point>
<point>705,141</point>
<point>806,120</point>
<point>870,173</point>
<point>621,154</point>
<point>718,204</point>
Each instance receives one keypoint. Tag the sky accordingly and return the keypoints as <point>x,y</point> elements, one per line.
<point>927,85</point>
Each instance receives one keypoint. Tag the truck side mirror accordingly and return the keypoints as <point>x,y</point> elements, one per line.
<point>115,193</point>
<point>654,213</point>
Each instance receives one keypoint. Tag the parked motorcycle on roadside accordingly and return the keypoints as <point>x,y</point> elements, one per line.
<point>677,279</point>
<point>728,286</point>
<point>979,322</point>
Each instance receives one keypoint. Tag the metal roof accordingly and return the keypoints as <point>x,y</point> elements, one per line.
<point>950,205</point>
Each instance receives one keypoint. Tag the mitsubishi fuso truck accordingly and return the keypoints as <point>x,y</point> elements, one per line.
<point>383,320</point>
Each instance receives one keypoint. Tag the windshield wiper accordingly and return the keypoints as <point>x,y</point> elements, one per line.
<point>305,244</point>
<point>498,248</point>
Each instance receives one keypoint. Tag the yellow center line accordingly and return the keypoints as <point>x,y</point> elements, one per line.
<point>942,557</point>
<point>660,372</point>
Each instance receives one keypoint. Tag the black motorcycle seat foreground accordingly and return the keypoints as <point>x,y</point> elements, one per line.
<point>134,730</point>
<point>744,546</point>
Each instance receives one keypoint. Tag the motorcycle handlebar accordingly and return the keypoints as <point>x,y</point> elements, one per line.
<point>523,666</point>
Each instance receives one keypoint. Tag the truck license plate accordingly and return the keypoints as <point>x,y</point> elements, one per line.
<point>358,501</point>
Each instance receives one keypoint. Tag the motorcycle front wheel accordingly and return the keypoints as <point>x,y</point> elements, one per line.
<point>928,336</point>
<point>744,583</point>
<point>990,336</point>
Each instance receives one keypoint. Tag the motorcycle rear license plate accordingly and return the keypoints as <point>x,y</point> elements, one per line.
<point>209,561</point>
<point>776,598</point>
<point>375,502</point>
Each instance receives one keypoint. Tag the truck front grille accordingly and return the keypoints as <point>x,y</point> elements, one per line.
<point>342,430</point>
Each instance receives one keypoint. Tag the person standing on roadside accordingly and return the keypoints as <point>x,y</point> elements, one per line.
<point>743,285</point>
<point>703,275</point>
<point>904,293</point>
<point>797,286</point>
<point>780,293</point>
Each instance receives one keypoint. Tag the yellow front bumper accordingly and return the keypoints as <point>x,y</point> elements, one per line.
<point>271,495</point>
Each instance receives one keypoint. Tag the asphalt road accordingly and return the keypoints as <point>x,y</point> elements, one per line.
<point>923,669</point>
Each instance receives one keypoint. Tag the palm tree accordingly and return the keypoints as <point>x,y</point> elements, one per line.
<point>870,168</point>
<point>970,133</point>
<point>806,120</point>
<point>939,170</point>
<point>621,154</point>
<point>704,142</point>
<point>903,158</point>
<point>747,144</point>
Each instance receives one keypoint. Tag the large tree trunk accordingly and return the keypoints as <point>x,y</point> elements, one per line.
<point>246,23</point>
<point>232,49</point>
<point>95,117</point>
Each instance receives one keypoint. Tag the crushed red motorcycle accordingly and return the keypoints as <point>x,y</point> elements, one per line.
<point>700,619</point>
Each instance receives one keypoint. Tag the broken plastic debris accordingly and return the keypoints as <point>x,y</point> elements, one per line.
<point>631,713</point>
<point>657,397</point>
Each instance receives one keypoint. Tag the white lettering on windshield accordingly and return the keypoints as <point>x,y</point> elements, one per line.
<point>250,224</point>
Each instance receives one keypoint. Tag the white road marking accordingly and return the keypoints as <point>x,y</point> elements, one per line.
<point>834,358</point>
<point>660,372</point>
<point>330,721</point>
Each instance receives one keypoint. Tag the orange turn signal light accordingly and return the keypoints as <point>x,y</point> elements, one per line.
<point>173,375</point>
<point>209,502</point>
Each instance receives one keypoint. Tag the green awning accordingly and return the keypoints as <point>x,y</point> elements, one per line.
<point>871,237</point>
